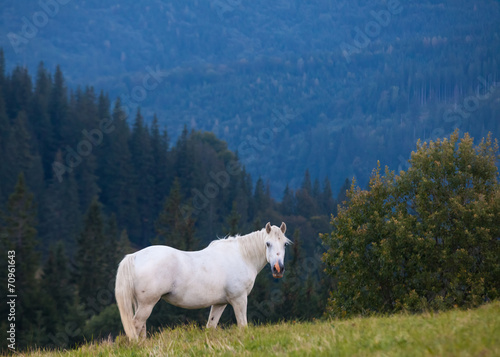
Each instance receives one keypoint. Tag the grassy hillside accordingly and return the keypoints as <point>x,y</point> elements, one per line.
<point>464,333</point>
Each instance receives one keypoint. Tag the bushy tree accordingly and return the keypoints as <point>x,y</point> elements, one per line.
<point>426,239</point>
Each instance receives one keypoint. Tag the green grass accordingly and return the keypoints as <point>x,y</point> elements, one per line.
<point>453,333</point>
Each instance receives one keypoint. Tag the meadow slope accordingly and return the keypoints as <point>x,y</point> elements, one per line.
<point>453,333</point>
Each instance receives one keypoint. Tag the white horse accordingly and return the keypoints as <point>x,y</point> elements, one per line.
<point>222,273</point>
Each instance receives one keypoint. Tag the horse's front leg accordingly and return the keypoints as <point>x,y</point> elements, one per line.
<point>215,314</point>
<point>240,310</point>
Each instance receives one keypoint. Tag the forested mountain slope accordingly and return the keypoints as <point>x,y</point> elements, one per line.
<point>356,81</point>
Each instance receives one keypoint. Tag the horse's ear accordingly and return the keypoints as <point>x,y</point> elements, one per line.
<point>283,227</point>
<point>268,227</point>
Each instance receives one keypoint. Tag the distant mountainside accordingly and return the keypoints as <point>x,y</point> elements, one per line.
<point>332,86</point>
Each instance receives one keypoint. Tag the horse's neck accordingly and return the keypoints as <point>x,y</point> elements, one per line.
<point>253,249</point>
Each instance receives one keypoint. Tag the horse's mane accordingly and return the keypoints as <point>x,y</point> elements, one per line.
<point>251,244</point>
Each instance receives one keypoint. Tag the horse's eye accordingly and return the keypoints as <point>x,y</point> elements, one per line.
<point>268,244</point>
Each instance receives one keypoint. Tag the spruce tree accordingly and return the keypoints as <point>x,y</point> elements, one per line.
<point>58,109</point>
<point>143,180</point>
<point>172,227</point>
<point>90,273</point>
<point>111,248</point>
<point>60,294</point>
<point>306,183</point>
<point>40,120</point>
<point>116,173</point>
<point>160,169</point>
<point>261,197</point>
<point>326,200</point>
<point>19,238</point>
<point>21,155</point>
<point>85,118</point>
<point>2,71</point>
<point>183,162</point>
<point>124,246</point>
<point>61,218</point>
<point>233,220</point>
<point>288,202</point>
<point>316,190</point>
<point>19,95</point>
<point>342,196</point>
<point>4,135</point>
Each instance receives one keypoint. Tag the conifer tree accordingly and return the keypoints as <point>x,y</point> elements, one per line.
<point>21,155</point>
<point>316,190</point>
<point>306,183</point>
<point>184,161</point>
<point>124,246</point>
<point>20,93</point>
<point>326,200</point>
<point>116,173</point>
<point>160,171</point>
<point>19,237</point>
<point>342,195</point>
<point>173,229</point>
<point>84,119</point>
<point>111,248</point>
<point>292,283</point>
<point>90,261</point>
<point>233,220</point>
<point>59,292</point>
<point>40,120</point>
<point>4,135</point>
<point>143,180</point>
<point>2,72</point>
<point>261,196</point>
<point>288,202</point>
<point>61,218</point>
<point>58,109</point>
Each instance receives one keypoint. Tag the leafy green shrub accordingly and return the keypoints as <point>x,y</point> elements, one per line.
<point>426,239</point>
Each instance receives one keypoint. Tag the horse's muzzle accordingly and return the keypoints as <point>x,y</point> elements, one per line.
<point>278,269</point>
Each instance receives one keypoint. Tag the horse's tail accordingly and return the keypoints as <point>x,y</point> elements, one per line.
<point>125,295</point>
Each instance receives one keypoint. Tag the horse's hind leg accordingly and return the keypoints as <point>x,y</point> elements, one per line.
<point>215,314</point>
<point>141,315</point>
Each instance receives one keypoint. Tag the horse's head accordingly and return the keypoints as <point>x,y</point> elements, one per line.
<point>275,248</point>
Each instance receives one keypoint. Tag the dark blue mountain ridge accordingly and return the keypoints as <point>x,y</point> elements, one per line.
<point>332,86</point>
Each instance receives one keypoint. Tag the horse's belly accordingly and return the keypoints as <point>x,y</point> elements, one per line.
<point>195,298</point>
